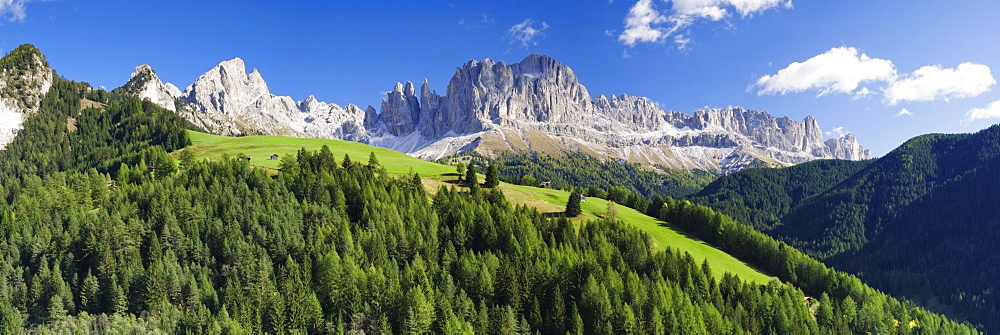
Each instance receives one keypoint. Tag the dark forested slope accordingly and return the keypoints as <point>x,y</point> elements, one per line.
<point>760,197</point>
<point>921,222</point>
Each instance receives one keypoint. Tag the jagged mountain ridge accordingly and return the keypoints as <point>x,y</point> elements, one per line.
<point>535,105</point>
<point>228,101</point>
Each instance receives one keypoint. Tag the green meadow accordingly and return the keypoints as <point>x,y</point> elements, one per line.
<point>260,148</point>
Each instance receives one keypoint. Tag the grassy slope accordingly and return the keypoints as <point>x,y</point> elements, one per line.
<point>260,148</point>
<point>662,233</point>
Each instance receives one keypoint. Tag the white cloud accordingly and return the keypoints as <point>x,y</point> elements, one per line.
<point>846,70</point>
<point>644,23</point>
<point>13,10</point>
<point>682,42</point>
<point>640,22</point>
<point>932,82</point>
<point>862,92</point>
<point>904,112</point>
<point>836,132</point>
<point>715,9</point>
<point>991,111</point>
<point>526,32</point>
<point>839,70</point>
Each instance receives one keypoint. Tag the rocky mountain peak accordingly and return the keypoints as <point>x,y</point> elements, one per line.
<point>400,110</point>
<point>145,84</point>
<point>227,88</point>
<point>25,77</point>
<point>228,100</point>
<point>310,103</point>
<point>233,66</point>
<point>538,64</point>
<point>847,147</point>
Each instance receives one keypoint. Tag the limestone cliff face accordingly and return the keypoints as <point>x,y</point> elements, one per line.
<point>234,102</point>
<point>332,121</point>
<point>145,84</point>
<point>227,100</point>
<point>539,105</point>
<point>847,146</point>
<point>25,77</point>
<point>400,110</point>
<point>535,105</point>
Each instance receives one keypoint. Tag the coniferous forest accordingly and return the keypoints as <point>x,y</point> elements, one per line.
<point>103,230</point>
<point>919,222</point>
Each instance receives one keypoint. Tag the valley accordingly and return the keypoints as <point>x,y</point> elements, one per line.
<point>119,215</point>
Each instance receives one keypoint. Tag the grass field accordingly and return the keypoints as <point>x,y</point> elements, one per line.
<point>260,149</point>
<point>663,235</point>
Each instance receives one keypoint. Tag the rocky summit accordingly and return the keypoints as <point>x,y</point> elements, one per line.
<point>227,100</point>
<point>145,84</point>
<point>535,105</point>
<point>538,105</point>
<point>25,77</point>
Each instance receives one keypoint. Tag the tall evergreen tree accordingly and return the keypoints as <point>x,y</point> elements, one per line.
<point>470,175</point>
<point>492,177</point>
<point>573,205</point>
<point>347,161</point>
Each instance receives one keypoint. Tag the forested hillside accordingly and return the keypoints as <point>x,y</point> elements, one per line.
<point>101,230</point>
<point>760,197</point>
<point>921,222</point>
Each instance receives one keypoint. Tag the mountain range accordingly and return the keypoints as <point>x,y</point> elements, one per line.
<point>535,105</point>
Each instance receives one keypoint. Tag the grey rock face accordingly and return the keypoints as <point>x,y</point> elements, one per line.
<point>145,84</point>
<point>226,100</point>
<point>539,95</point>
<point>847,146</point>
<point>21,90</point>
<point>401,110</point>
<point>537,104</point>
<point>234,102</point>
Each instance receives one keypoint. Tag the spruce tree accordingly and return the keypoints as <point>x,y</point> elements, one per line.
<point>492,177</point>
<point>347,161</point>
<point>573,206</point>
<point>470,175</point>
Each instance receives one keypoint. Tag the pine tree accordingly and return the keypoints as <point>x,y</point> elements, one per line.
<point>11,319</point>
<point>470,175</point>
<point>573,206</point>
<point>88,293</point>
<point>492,177</point>
<point>347,161</point>
<point>187,158</point>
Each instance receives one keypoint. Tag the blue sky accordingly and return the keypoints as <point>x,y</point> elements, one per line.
<point>884,70</point>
